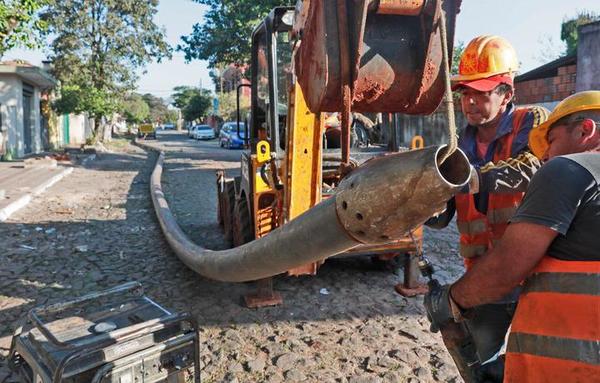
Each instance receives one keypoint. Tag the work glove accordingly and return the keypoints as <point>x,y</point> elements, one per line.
<point>437,305</point>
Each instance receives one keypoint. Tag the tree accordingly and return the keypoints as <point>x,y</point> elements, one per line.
<point>158,108</point>
<point>198,106</point>
<point>568,30</point>
<point>224,35</point>
<point>459,47</point>
<point>99,45</point>
<point>20,25</point>
<point>135,109</point>
<point>78,99</point>
<point>228,106</point>
<point>171,116</point>
<point>183,94</point>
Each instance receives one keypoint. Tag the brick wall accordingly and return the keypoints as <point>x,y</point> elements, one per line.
<point>548,89</point>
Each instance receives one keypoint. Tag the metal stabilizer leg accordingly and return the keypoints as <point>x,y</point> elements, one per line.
<point>264,295</point>
<point>411,286</point>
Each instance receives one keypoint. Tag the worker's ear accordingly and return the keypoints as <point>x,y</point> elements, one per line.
<point>588,129</point>
<point>508,96</point>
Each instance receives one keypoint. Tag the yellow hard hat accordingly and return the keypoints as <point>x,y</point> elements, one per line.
<point>578,102</point>
<point>486,56</point>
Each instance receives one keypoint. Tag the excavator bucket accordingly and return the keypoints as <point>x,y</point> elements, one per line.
<point>393,50</point>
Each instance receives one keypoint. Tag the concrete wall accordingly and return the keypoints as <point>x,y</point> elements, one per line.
<point>80,129</point>
<point>588,57</point>
<point>11,110</point>
<point>11,98</point>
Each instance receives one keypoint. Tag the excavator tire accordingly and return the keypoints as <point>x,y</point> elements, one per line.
<point>242,224</point>
<point>226,206</point>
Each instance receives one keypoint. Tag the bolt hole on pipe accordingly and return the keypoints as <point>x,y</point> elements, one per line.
<point>359,216</point>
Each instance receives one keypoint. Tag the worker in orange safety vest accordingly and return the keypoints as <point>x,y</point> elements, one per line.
<point>553,243</point>
<point>496,144</point>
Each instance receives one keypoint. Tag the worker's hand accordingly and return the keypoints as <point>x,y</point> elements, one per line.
<point>437,304</point>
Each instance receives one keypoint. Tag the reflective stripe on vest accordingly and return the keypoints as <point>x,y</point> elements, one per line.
<point>476,226</point>
<point>555,333</point>
<point>478,231</point>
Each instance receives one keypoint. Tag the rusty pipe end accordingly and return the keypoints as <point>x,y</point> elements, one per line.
<point>388,196</point>
<point>455,170</point>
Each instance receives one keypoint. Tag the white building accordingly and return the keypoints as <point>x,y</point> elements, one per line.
<point>21,130</point>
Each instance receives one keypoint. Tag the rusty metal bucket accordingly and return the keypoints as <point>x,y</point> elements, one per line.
<point>378,202</point>
<point>394,48</point>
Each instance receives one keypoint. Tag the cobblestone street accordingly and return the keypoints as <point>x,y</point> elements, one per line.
<point>96,228</point>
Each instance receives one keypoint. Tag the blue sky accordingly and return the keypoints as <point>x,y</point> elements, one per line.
<point>527,24</point>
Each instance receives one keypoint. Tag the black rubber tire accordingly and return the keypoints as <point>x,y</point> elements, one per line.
<point>243,231</point>
<point>227,211</point>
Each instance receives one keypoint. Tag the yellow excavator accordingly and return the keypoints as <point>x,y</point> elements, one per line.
<point>329,56</point>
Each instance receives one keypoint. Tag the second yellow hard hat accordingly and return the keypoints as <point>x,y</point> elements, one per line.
<point>578,102</point>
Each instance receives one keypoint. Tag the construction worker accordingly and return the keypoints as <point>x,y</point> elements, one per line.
<point>553,244</point>
<point>496,144</point>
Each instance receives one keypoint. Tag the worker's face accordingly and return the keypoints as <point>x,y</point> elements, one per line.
<point>481,108</point>
<point>571,138</point>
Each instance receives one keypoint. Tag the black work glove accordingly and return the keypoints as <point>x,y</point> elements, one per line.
<point>437,304</point>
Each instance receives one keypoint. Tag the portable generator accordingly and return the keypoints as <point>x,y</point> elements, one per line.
<point>114,336</point>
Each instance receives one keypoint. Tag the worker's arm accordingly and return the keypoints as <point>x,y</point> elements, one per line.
<point>499,271</point>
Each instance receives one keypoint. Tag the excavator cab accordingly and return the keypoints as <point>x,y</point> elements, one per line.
<point>271,70</point>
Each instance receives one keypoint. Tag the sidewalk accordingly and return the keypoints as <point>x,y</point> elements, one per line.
<point>20,181</point>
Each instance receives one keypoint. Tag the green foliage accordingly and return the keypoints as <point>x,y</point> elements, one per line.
<point>568,29</point>
<point>183,94</point>
<point>79,99</point>
<point>99,46</point>
<point>135,109</point>
<point>228,106</point>
<point>158,108</point>
<point>171,116</point>
<point>224,35</point>
<point>193,102</point>
<point>20,25</point>
<point>459,47</point>
<point>198,106</point>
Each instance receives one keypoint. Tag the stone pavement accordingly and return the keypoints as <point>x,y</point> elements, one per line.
<point>21,180</point>
<point>96,229</point>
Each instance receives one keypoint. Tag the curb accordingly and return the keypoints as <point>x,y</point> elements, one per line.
<point>145,146</point>
<point>21,202</point>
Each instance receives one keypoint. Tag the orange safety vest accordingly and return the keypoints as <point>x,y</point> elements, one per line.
<point>555,333</point>
<point>479,232</point>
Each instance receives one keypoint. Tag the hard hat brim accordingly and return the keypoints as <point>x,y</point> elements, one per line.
<point>538,137</point>
<point>484,84</point>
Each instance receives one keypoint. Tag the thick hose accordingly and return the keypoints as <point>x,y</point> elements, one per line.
<point>313,236</point>
<point>378,202</point>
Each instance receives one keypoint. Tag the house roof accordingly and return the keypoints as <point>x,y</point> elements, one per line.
<point>30,73</point>
<point>547,70</point>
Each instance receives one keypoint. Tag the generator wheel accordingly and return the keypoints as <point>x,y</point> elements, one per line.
<point>242,224</point>
<point>228,204</point>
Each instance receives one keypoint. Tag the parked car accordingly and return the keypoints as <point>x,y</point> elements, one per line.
<point>168,126</point>
<point>203,132</point>
<point>192,130</point>
<point>229,138</point>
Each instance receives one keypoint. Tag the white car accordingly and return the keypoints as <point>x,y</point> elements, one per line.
<point>203,132</point>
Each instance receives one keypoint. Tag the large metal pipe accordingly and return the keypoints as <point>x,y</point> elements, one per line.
<point>392,194</point>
